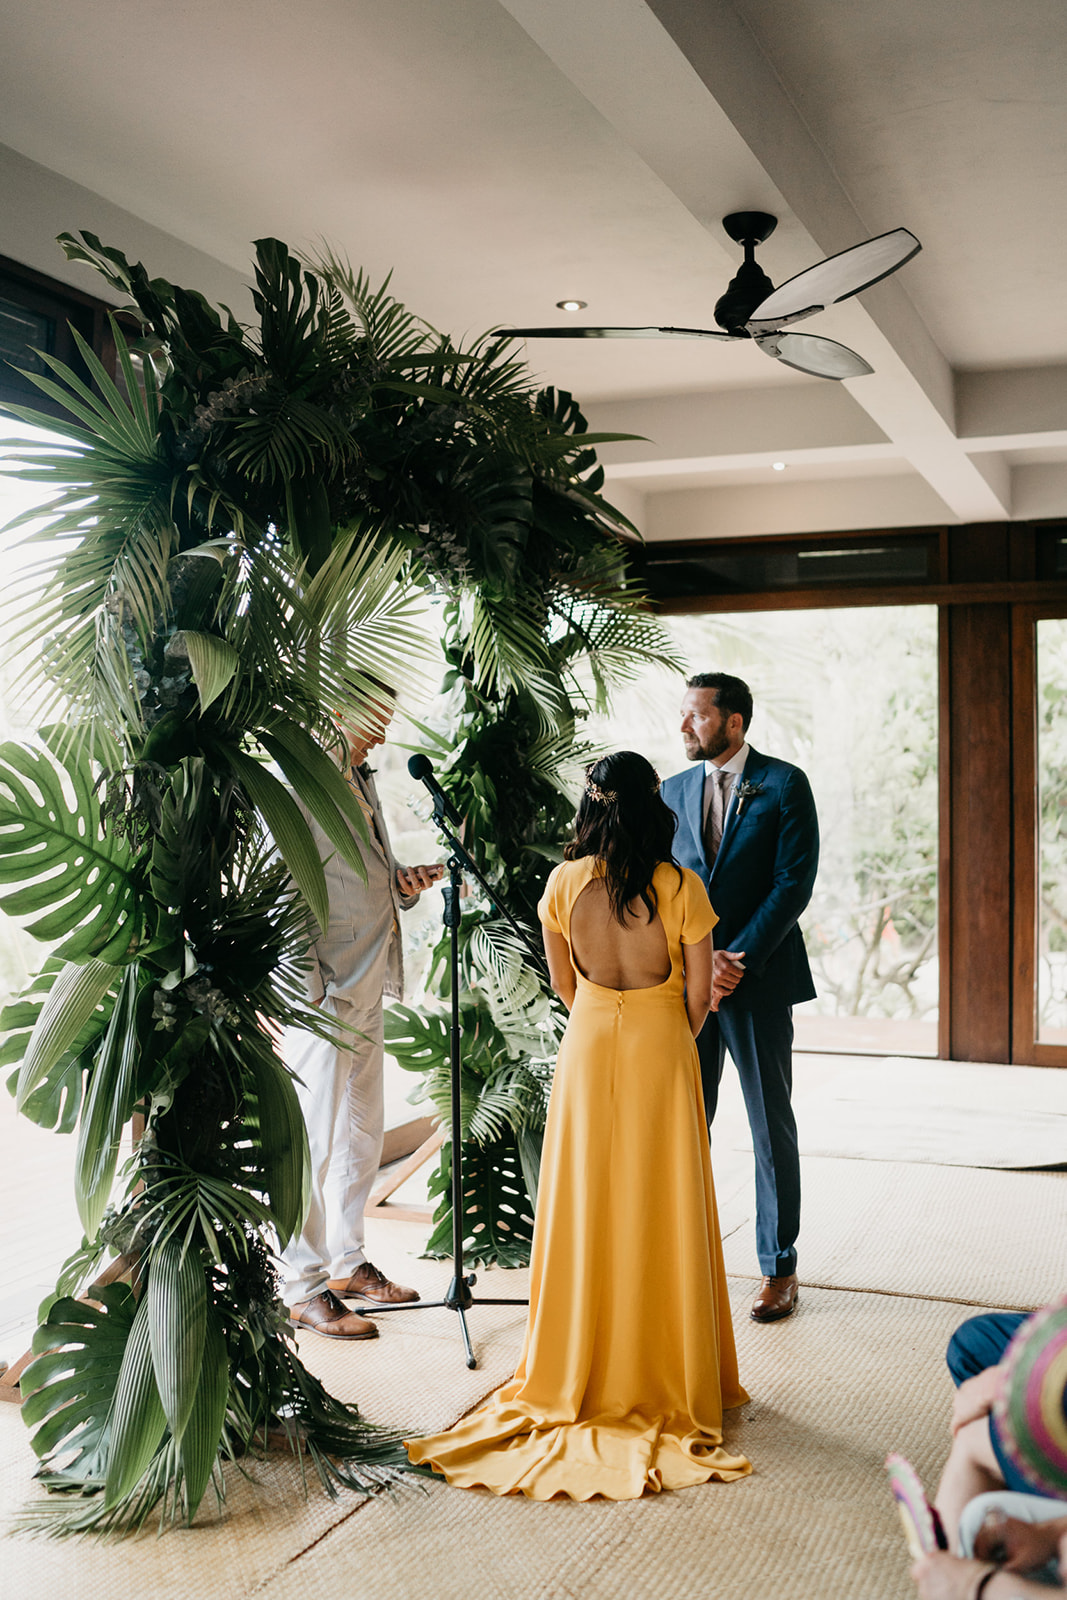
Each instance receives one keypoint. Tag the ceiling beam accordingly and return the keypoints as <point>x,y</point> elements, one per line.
<point>688,85</point>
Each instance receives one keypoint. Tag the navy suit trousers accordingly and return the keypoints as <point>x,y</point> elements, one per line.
<point>760,1045</point>
<point>978,1343</point>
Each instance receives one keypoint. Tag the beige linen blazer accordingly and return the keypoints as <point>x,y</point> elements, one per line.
<point>359,958</point>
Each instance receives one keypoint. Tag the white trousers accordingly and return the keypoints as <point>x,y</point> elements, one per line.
<point>341,1097</point>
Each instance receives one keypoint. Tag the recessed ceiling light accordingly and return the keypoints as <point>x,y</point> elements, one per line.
<point>777,466</point>
<point>572,305</point>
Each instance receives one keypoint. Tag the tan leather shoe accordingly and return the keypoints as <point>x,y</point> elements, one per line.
<point>367,1283</point>
<point>324,1313</point>
<point>777,1299</point>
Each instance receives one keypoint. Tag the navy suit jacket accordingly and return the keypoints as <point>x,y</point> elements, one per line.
<point>762,877</point>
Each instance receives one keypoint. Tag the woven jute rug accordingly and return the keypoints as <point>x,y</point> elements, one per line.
<point>952,1233</point>
<point>949,1112</point>
<point>848,1378</point>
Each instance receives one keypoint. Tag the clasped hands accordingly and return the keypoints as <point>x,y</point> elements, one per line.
<point>727,970</point>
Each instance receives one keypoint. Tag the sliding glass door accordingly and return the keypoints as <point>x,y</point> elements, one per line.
<point>851,696</point>
<point>1040,921</point>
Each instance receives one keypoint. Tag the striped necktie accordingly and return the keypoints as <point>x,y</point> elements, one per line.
<point>721,788</point>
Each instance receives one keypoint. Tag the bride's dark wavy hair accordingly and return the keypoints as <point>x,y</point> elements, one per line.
<point>623,822</point>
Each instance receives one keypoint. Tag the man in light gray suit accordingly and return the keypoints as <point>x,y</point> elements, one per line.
<point>354,965</point>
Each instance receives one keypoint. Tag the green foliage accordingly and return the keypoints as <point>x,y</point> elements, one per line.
<point>138,1420</point>
<point>108,1107</point>
<point>177,1324</point>
<point>76,881</point>
<point>497,1209</point>
<point>242,530</point>
<point>70,1386</point>
<point>55,1101</point>
<point>72,1011</point>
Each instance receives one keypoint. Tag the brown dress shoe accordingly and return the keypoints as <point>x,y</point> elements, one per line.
<point>367,1283</point>
<point>777,1299</point>
<point>324,1313</point>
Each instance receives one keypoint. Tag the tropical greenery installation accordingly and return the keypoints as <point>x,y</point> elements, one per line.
<point>240,529</point>
<point>510,762</point>
<point>510,757</point>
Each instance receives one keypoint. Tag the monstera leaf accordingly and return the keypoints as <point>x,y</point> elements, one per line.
<point>497,1210</point>
<point>76,882</point>
<point>70,1387</point>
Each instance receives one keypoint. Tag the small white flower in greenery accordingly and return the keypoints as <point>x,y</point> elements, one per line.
<point>745,788</point>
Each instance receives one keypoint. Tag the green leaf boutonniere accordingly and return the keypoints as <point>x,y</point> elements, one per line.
<point>745,788</point>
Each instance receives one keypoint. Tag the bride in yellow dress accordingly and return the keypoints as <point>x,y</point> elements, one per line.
<point>629,1353</point>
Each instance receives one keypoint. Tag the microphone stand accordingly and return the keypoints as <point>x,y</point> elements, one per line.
<point>457,1296</point>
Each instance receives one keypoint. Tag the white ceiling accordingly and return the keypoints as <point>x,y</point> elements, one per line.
<point>501,155</point>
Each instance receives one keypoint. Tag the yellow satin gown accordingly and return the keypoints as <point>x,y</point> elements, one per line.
<point>629,1353</point>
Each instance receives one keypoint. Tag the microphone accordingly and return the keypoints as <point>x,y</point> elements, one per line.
<point>422,767</point>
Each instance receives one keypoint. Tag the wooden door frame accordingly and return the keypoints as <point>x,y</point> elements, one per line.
<point>1026,1049</point>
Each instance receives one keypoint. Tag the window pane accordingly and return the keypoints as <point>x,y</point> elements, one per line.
<point>1052,831</point>
<point>850,696</point>
<point>22,334</point>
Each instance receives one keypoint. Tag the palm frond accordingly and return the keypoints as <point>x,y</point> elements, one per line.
<point>364,626</point>
<point>284,436</point>
<point>508,650</point>
<point>515,1099</point>
<point>56,1100</point>
<point>603,645</point>
<point>389,331</point>
<point>109,533</point>
<point>109,1104</point>
<point>517,1001</point>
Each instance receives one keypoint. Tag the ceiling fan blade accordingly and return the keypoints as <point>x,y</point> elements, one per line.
<point>822,358</point>
<point>612,333</point>
<point>836,278</point>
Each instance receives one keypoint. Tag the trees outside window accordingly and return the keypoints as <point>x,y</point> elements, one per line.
<point>850,696</point>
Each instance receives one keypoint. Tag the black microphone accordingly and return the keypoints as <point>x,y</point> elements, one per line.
<point>422,767</point>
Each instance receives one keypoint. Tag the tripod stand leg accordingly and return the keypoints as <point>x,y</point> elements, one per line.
<point>472,1359</point>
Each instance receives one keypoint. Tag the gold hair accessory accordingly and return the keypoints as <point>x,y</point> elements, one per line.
<point>606,796</point>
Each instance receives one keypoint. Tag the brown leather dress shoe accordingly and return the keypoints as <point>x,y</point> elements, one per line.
<point>324,1313</point>
<point>367,1283</point>
<point>777,1299</point>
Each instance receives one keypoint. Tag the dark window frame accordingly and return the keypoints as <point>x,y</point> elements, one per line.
<point>966,564</point>
<point>64,307</point>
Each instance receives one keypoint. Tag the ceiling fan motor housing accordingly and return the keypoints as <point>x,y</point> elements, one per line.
<point>748,287</point>
<point>750,284</point>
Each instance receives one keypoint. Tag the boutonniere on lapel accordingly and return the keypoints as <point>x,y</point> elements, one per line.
<point>745,789</point>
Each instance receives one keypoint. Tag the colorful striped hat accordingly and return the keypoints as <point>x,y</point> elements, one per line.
<point>1031,1414</point>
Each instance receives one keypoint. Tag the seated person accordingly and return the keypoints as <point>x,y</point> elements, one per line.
<point>978,1462</point>
<point>1019,1547</point>
<point>1003,1493</point>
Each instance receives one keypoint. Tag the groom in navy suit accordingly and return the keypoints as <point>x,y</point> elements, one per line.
<point>747,825</point>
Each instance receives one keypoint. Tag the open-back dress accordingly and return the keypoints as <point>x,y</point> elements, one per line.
<point>629,1353</point>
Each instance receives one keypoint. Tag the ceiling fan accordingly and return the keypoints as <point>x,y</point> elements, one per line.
<point>752,308</point>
